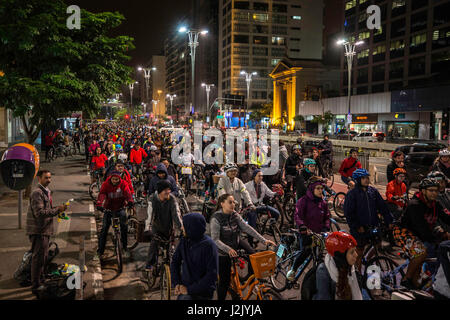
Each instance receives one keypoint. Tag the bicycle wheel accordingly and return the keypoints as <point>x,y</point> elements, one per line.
<point>118,249</point>
<point>132,226</point>
<point>338,204</point>
<point>51,155</point>
<point>278,278</point>
<point>94,190</point>
<point>166,289</point>
<point>152,276</point>
<point>289,208</point>
<point>270,294</point>
<point>387,277</point>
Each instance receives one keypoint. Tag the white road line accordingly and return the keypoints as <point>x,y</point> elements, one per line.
<point>11,214</point>
<point>97,275</point>
<point>13,249</point>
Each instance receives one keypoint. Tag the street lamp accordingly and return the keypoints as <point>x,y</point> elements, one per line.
<point>193,44</point>
<point>155,103</point>
<point>147,78</point>
<point>248,79</point>
<point>208,90</point>
<point>350,52</point>
<point>171,97</point>
<point>131,86</point>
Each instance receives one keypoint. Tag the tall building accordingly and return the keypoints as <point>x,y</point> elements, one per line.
<point>411,50</point>
<point>255,35</point>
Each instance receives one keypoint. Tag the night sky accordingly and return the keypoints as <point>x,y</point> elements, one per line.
<point>147,21</point>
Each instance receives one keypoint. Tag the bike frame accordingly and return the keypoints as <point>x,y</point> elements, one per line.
<point>251,283</point>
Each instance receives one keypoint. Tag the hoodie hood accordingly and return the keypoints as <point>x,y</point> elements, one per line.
<point>195,226</point>
<point>310,191</point>
<point>161,168</point>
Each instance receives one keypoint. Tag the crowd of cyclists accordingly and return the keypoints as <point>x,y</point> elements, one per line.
<point>134,163</point>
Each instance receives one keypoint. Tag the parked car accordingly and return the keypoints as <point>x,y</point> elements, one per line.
<point>380,136</point>
<point>344,135</point>
<point>421,147</point>
<point>307,147</point>
<point>365,137</point>
<point>418,164</point>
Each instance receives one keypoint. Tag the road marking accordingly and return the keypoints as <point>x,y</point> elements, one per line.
<point>97,275</point>
<point>7,250</point>
<point>11,214</point>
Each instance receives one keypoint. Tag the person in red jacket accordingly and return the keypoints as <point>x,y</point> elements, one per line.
<point>98,163</point>
<point>349,165</point>
<point>114,196</point>
<point>395,193</point>
<point>48,143</point>
<point>137,155</point>
<point>124,174</point>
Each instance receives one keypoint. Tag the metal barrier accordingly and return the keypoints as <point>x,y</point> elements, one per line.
<point>339,156</point>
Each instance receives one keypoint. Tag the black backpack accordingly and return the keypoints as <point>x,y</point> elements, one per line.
<point>55,288</point>
<point>23,271</point>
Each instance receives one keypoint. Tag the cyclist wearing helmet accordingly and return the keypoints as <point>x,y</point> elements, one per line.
<point>349,165</point>
<point>303,176</point>
<point>293,165</point>
<point>231,184</point>
<point>419,232</point>
<point>398,161</point>
<point>311,214</point>
<point>125,175</point>
<point>361,208</point>
<point>444,192</point>
<point>442,163</point>
<point>154,156</point>
<point>336,277</point>
<point>396,193</point>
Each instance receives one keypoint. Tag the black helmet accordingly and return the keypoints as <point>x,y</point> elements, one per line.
<point>428,183</point>
<point>436,174</point>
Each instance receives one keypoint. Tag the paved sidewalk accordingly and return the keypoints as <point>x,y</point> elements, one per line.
<point>69,180</point>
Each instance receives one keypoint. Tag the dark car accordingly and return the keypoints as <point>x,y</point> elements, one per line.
<point>418,164</point>
<point>344,135</point>
<point>421,147</point>
<point>307,147</point>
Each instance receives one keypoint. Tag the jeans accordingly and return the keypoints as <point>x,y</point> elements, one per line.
<point>225,270</point>
<point>305,242</point>
<point>107,219</point>
<point>345,179</point>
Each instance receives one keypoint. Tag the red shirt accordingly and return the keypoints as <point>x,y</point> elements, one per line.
<point>136,156</point>
<point>395,189</point>
<point>99,161</point>
<point>113,197</point>
<point>349,163</point>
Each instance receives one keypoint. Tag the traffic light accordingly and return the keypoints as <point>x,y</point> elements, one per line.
<point>127,117</point>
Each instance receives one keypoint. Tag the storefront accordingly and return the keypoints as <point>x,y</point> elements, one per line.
<point>339,123</point>
<point>364,123</point>
<point>405,125</point>
<point>405,129</point>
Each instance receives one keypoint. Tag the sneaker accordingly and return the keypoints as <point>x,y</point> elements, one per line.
<point>290,275</point>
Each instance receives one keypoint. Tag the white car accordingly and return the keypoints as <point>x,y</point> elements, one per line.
<point>365,137</point>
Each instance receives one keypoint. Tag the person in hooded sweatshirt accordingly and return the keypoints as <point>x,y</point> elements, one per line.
<point>162,174</point>
<point>195,261</point>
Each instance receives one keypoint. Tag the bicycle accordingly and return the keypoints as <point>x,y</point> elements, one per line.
<point>117,239</point>
<point>94,188</point>
<point>288,251</point>
<point>132,226</point>
<point>162,267</point>
<point>266,224</point>
<point>328,172</point>
<point>263,264</point>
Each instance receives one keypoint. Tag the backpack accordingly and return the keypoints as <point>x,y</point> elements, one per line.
<point>56,288</point>
<point>23,271</point>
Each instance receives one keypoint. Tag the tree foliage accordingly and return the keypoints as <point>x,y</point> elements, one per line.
<point>51,70</point>
<point>260,111</point>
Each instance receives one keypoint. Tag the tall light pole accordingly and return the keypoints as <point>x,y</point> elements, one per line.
<point>193,44</point>
<point>350,52</point>
<point>147,72</point>
<point>171,97</point>
<point>155,103</point>
<point>248,79</point>
<point>208,90</point>
<point>131,86</point>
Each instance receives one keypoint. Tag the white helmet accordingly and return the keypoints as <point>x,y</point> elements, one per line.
<point>444,153</point>
<point>230,166</point>
<point>123,156</point>
<point>153,148</point>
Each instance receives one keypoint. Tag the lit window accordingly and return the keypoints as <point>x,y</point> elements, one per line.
<point>297,17</point>
<point>260,17</point>
<point>435,35</point>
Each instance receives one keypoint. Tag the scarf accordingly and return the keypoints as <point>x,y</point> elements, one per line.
<point>352,279</point>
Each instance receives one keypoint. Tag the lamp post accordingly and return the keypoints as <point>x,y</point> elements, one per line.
<point>147,72</point>
<point>193,44</point>
<point>171,97</point>
<point>350,52</point>
<point>131,86</point>
<point>208,90</point>
<point>248,79</point>
<point>155,103</point>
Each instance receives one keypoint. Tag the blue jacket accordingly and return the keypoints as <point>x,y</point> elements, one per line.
<point>152,184</point>
<point>361,208</point>
<point>195,261</point>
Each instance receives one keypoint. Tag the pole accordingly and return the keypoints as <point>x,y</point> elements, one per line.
<point>350,64</point>
<point>20,208</point>
<point>208,89</point>
<point>249,79</point>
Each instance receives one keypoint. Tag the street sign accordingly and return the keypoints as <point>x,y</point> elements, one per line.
<point>349,118</point>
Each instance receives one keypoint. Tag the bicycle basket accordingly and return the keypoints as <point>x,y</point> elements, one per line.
<point>263,264</point>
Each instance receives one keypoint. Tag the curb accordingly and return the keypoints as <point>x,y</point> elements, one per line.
<point>97,275</point>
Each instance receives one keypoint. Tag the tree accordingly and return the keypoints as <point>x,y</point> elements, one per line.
<point>325,120</point>
<point>260,111</point>
<point>120,114</point>
<point>50,70</point>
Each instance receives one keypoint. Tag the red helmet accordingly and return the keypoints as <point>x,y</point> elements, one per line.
<point>339,241</point>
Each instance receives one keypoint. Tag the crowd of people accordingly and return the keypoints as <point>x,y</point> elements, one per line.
<point>122,154</point>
